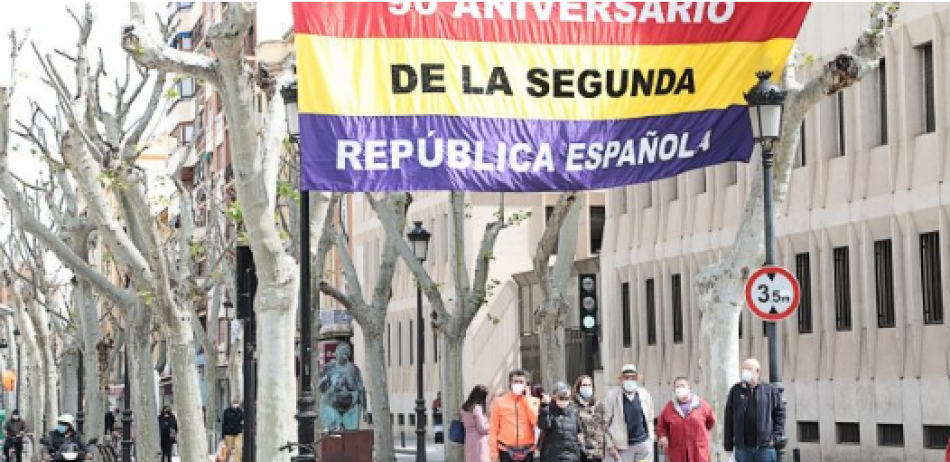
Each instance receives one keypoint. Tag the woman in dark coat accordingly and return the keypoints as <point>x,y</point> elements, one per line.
<point>168,429</point>
<point>561,427</point>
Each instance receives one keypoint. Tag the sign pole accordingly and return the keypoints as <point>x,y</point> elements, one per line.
<point>771,328</point>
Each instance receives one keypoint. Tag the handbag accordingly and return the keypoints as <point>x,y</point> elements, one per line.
<point>457,432</point>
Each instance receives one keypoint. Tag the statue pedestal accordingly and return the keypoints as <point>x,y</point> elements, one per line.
<point>351,446</point>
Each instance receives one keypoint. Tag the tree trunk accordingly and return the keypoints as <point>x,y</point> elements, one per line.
<point>69,374</point>
<point>142,388</point>
<point>275,308</point>
<point>181,355</point>
<point>383,443</point>
<point>46,363</point>
<point>553,352</point>
<point>88,331</point>
<point>453,393</point>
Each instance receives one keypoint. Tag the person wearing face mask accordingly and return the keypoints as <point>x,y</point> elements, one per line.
<point>168,431</point>
<point>65,432</point>
<point>514,418</point>
<point>682,429</point>
<point>561,426</point>
<point>14,430</point>
<point>591,412</point>
<point>755,417</point>
<point>628,411</point>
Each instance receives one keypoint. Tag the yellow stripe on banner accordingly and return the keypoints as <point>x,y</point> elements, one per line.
<point>353,77</point>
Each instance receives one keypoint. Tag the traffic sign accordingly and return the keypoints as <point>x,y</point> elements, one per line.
<point>772,293</point>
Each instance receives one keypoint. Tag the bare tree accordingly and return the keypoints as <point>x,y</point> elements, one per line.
<point>256,158</point>
<point>371,315</point>
<point>720,286</point>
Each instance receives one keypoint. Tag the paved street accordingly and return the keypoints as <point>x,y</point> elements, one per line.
<point>434,452</point>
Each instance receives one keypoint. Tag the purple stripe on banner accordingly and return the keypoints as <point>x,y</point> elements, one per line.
<point>404,153</point>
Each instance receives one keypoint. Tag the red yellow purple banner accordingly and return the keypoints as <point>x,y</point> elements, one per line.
<point>528,96</point>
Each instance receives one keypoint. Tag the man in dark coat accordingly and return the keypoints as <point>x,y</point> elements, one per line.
<point>110,421</point>
<point>168,431</point>
<point>232,427</point>
<point>14,430</point>
<point>755,417</point>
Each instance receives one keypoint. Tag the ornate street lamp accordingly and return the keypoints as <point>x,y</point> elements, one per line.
<point>767,107</point>
<point>419,238</point>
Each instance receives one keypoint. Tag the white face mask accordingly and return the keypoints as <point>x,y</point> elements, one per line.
<point>630,386</point>
<point>747,376</point>
<point>517,388</point>
<point>682,393</point>
<point>586,391</point>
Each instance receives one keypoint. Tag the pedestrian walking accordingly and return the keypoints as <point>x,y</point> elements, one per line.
<point>15,430</point>
<point>591,411</point>
<point>682,429</point>
<point>513,421</point>
<point>110,420</point>
<point>168,432</point>
<point>476,425</point>
<point>755,417</point>
<point>628,410</point>
<point>232,430</point>
<point>439,435</point>
<point>561,429</point>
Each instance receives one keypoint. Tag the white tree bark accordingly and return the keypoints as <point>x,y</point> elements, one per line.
<point>255,163</point>
<point>720,286</point>
<point>561,229</point>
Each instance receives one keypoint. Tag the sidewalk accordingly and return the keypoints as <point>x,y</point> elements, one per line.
<point>434,452</point>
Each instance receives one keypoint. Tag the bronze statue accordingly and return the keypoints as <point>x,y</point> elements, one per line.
<point>343,394</point>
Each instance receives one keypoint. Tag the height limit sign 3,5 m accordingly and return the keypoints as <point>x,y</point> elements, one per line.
<point>772,293</point>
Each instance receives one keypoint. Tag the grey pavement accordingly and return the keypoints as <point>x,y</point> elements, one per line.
<point>434,452</point>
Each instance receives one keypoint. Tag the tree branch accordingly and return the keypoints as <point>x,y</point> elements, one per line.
<point>153,53</point>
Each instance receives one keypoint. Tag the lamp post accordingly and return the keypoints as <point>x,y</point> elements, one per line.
<point>419,238</point>
<point>127,413</point>
<point>16,342</point>
<point>766,107</point>
<point>3,402</point>
<point>306,403</point>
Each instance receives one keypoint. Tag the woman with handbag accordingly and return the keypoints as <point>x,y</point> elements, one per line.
<point>476,425</point>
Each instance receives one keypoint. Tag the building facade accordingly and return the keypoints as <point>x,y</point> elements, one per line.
<point>865,228</point>
<point>866,358</point>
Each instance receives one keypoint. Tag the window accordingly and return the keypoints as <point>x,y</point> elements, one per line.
<point>651,312</point>
<point>677,288</point>
<point>891,435</point>
<point>803,273</point>
<point>935,436</point>
<point>800,158</point>
<point>848,432</point>
<point>412,420</point>
<point>185,87</point>
<point>435,346</point>
<point>840,123</point>
<point>548,211</point>
<point>884,283</point>
<point>187,133</point>
<point>402,419</point>
<point>411,338</point>
<point>926,53</point>
<point>931,289</point>
<point>808,432</point>
<point>625,315</point>
<point>882,102</point>
<point>732,174</point>
<point>598,216</point>
<point>842,287</point>
<point>183,41</point>
<point>399,334</point>
<point>389,344</point>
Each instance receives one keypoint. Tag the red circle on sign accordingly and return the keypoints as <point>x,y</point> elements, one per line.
<point>796,293</point>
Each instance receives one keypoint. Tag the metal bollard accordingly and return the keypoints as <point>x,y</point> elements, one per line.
<point>403,438</point>
<point>796,455</point>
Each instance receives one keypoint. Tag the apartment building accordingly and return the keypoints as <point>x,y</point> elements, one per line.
<point>865,229</point>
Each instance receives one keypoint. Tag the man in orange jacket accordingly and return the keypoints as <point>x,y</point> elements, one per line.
<point>514,418</point>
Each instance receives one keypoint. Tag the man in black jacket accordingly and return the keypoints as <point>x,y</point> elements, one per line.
<point>232,427</point>
<point>15,429</point>
<point>755,417</point>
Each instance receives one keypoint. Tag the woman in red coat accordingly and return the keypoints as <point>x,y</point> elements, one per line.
<point>683,426</point>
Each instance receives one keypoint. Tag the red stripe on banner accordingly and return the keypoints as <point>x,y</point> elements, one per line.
<point>580,23</point>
